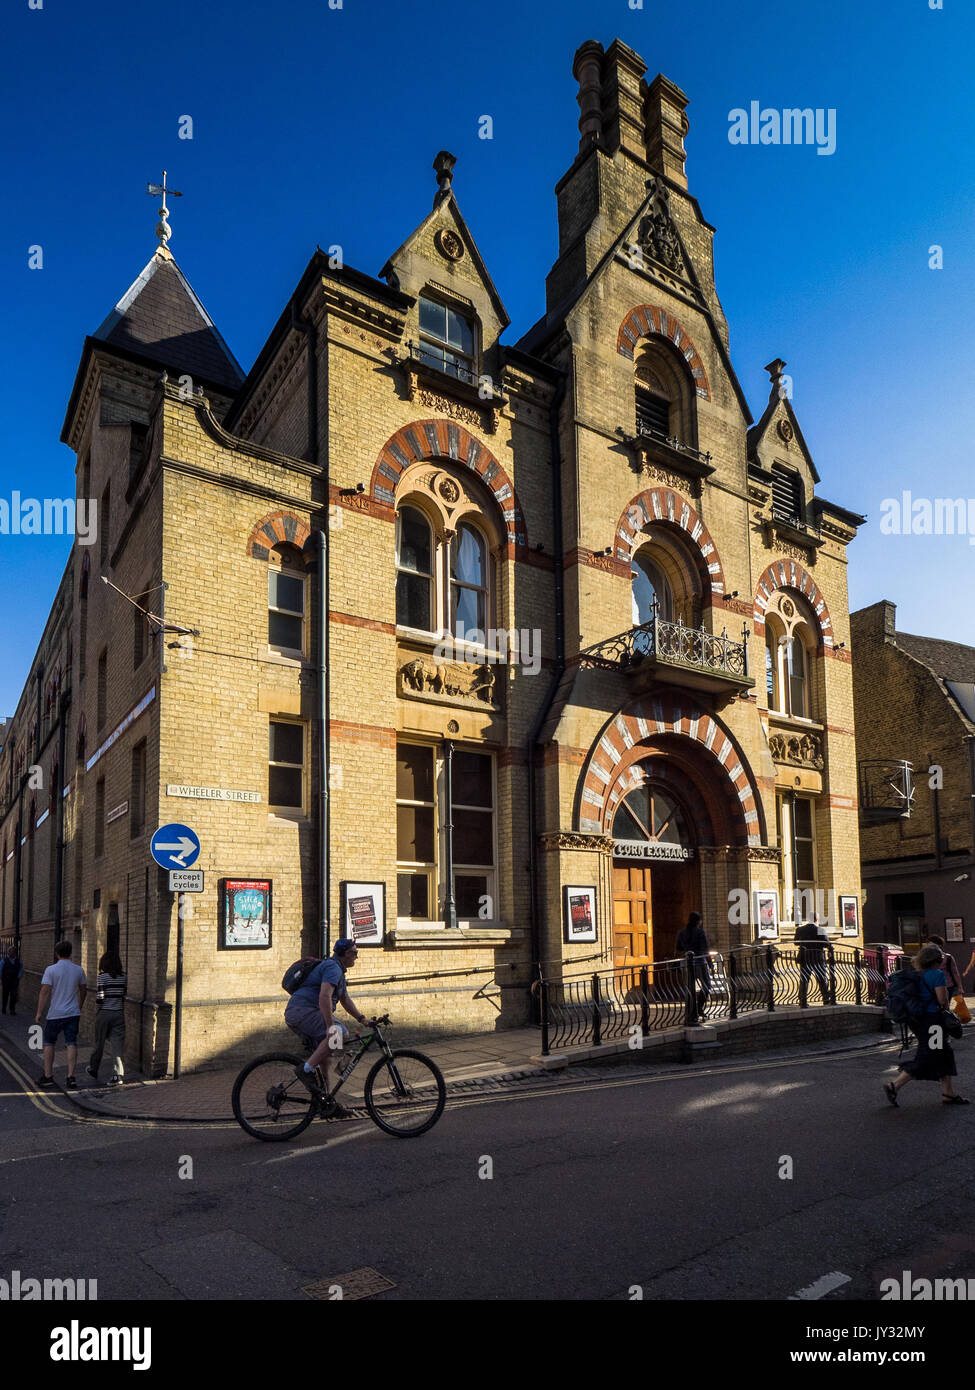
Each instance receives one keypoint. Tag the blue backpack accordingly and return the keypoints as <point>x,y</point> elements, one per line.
<point>908,995</point>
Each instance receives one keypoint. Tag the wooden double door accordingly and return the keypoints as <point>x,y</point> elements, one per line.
<point>651,904</point>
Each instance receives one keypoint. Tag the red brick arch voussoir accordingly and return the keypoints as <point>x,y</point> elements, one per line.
<point>447,440</point>
<point>638,723</point>
<point>788,574</point>
<point>665,505</point>
<point>649,320</point>
<point>277,528</point>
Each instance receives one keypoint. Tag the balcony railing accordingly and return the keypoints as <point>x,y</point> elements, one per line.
<point>429,357</point>
<point>886,789</point>
<point>782,516</point>
<point>644,430</point>
<point>672,644</point>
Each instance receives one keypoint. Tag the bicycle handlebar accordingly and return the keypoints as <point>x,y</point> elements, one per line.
<point>382,1021</point>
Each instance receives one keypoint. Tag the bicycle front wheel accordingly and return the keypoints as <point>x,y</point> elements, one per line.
<point>405,1094</point>
<point>269,1101</point>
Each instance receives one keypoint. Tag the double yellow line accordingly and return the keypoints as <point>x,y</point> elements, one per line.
<point>41,1100</point>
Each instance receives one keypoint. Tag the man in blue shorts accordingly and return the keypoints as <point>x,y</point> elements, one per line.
<point>310,1013</point>
<point>63,987</point>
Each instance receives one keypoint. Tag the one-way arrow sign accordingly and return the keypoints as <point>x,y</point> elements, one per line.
<point>175,846</point>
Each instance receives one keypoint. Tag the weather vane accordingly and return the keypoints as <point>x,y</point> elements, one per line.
<point>159,190</point>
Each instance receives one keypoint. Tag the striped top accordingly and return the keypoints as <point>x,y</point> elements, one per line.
<point>111,992</point>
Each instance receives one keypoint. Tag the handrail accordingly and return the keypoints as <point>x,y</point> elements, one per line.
<point>674,644</point>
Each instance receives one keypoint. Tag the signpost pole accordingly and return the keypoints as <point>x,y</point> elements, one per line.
<point>177,1044</point>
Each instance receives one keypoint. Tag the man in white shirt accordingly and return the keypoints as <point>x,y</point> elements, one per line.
<point>63,987</point>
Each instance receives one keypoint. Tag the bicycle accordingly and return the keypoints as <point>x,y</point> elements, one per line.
<point>404,1094</point>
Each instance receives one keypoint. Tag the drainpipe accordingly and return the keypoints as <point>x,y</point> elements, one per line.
<point>936,812</point>
<point>450,905</point>
<point>324,681</point>
<point>536,728</point>
<point>18,861</point>
<point>65,705</point>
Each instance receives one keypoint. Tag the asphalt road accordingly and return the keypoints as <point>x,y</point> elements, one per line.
<point>665,1187</point>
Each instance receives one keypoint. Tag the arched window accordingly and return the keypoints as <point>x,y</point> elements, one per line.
<point>652,594</point>
<point>415,588</point>
<point>286,585</point>
<point>788,658</point>
<point>665,394</point>
<point>468,582</point>
<point>796,664</point>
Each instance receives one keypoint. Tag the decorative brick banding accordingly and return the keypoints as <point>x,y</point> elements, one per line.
<point>277,528</point>
<point>787,574</point>
<point>648,320</point>
<point>665,506</point>
<point>447,440</point>
<point>634,733</point>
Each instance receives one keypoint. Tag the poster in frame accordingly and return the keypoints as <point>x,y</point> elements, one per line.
<point>849,913</point>
<point>766,914</point>
<point>363,912</point>
<point>580,913</point>
<point>245,914</point>
<point>954,929</point>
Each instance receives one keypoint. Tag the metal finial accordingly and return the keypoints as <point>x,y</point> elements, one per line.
<point>159,190</point>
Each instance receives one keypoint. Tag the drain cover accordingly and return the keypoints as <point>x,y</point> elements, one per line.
<point>359,1283</point>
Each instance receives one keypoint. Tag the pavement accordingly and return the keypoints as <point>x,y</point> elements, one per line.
<point>465,1060</point>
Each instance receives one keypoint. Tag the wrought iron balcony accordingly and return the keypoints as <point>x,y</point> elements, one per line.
<point>439,362</point>
<point>795,525</point>
<point>644,430</point>
<point>676,653</point>
<point>886,789</point>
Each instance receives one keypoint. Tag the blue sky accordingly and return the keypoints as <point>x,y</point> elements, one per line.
<point>318,125</point>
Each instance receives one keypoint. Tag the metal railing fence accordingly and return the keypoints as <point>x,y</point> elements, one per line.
<point>603,1005</point>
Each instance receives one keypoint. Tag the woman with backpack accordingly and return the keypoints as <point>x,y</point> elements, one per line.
<point>934,1059</point>
<point>952,974</point>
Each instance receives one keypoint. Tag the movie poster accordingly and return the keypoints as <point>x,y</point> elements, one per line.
<point>245,913</point>
<point>580,914</point>
<point>850,916</point>
<point>767,915</point>
<point>364,912</point>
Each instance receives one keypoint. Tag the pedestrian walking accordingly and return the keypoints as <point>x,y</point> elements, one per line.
<point>813,942</point>
<point>110,1018</point>
<point>694,939</point>
<point>10,975</point>
<point>934,1059</point>
<point>63,991</point>
<point>953,975</point>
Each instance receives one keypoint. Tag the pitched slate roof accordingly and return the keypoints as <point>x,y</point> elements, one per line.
<point>951,661</point>
<point>160,318</point>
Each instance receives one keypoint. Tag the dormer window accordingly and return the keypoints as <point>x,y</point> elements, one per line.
<point>447,339</point>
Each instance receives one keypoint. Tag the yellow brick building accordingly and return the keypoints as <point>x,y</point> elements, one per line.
<point>586,656</point>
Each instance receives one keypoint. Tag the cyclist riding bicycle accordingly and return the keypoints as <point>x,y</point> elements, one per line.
<point>310,1013</point>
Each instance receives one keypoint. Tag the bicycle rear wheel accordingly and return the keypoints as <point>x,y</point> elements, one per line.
<point>269,1101</point>
<point>405,1094</point>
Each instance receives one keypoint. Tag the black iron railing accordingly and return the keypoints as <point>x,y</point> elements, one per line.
<point>785,517</point>
<point>673,644</point>
<point>440,362</point>
<point>645,430</point>
<point>605,1005</point>
<point>886,789</point>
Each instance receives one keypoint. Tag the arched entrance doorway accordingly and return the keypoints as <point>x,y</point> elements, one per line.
<point>656,875</point>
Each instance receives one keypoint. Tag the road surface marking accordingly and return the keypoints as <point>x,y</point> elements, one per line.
<point>825,1284</point>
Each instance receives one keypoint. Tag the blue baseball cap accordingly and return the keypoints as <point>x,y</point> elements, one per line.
<point>344,943</point>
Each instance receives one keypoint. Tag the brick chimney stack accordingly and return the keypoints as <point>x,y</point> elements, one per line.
<point>666,126</point>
